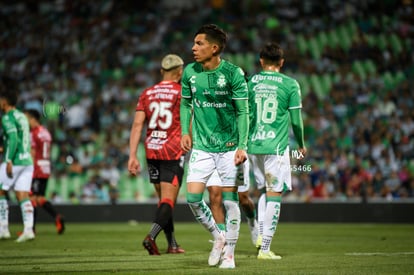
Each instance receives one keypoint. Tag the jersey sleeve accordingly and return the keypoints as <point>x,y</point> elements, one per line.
<point>297,126</point>
<point>295,101</point>
<point>186,103</point>
<point>37,143</point>
<point>239,85</point>
<point>34,140</point>
<point>252,108</point>
<point>242,123</point>
<point>240,95</point>
<point>141,102</point>
<point>10,129</point>
<point>295,104</point>
<point>185,84</point>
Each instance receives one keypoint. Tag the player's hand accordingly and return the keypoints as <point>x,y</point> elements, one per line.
<point>186,143</point>
<point>134,167</point>
<point>302,152</point>
<point>240,157</point>
<point>9,169</point>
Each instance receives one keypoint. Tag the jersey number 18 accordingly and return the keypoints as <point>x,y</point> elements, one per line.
<point>266,110</point>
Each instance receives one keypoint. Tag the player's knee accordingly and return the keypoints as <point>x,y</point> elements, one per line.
<point>215,198</point>
<point>244,197</point>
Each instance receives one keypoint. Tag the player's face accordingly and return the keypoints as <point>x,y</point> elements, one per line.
<point>203,50</point>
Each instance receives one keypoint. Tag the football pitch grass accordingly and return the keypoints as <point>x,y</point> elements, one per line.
<point>306,248</point>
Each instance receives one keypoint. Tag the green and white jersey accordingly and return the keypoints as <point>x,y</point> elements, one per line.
<point>271,95</point>
<point>212,93</point>
<point>16,138</point>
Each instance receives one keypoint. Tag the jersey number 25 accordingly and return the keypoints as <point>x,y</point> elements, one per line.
<point>161,115</point>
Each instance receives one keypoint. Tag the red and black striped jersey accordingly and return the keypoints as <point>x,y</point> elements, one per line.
<point>41,141</point>
<point>161,104</point>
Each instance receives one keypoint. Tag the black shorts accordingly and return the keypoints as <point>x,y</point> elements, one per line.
<point>166,170</point>
<point>39,187</point>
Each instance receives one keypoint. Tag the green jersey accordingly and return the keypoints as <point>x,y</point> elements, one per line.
<point>271,95</point>
<point>16,137</point>
<point>220,122</point>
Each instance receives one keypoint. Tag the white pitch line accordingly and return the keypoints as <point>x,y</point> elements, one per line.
<point>379,253</point>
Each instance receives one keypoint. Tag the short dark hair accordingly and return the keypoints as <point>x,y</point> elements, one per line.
<point>9,95</point>
<point>33,113</point>
<point>214,34</point>
<point>8,90</point>
<point>272,53</point>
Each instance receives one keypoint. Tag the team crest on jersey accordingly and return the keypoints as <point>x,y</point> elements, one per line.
<point>221,81</point>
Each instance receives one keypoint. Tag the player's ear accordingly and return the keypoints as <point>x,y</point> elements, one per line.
<point>261,62</point>
<point>216,49</point>
<point>282,61</point>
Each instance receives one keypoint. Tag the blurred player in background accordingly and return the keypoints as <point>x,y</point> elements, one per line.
<point>275,102</point>
<point>41,141</point>
<point>159,108</point>
<point>214,98</point>
<point>17,169</point>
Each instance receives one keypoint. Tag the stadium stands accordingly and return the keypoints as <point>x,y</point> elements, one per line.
<point>84,64</point>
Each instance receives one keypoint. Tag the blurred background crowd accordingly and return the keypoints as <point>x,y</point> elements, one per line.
<point>83,64</point>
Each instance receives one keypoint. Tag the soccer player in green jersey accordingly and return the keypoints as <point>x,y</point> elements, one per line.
<point>274,102</point>
<point>17,169</point>
<point>215,100</point>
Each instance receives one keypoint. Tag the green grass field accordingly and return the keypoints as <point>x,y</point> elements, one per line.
<point>108,248</point>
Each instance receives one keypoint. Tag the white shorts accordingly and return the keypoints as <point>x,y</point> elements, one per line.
<point>272,171</point>
<point>214,180</point>
<point>203,164</point>
<point>22,178</point>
